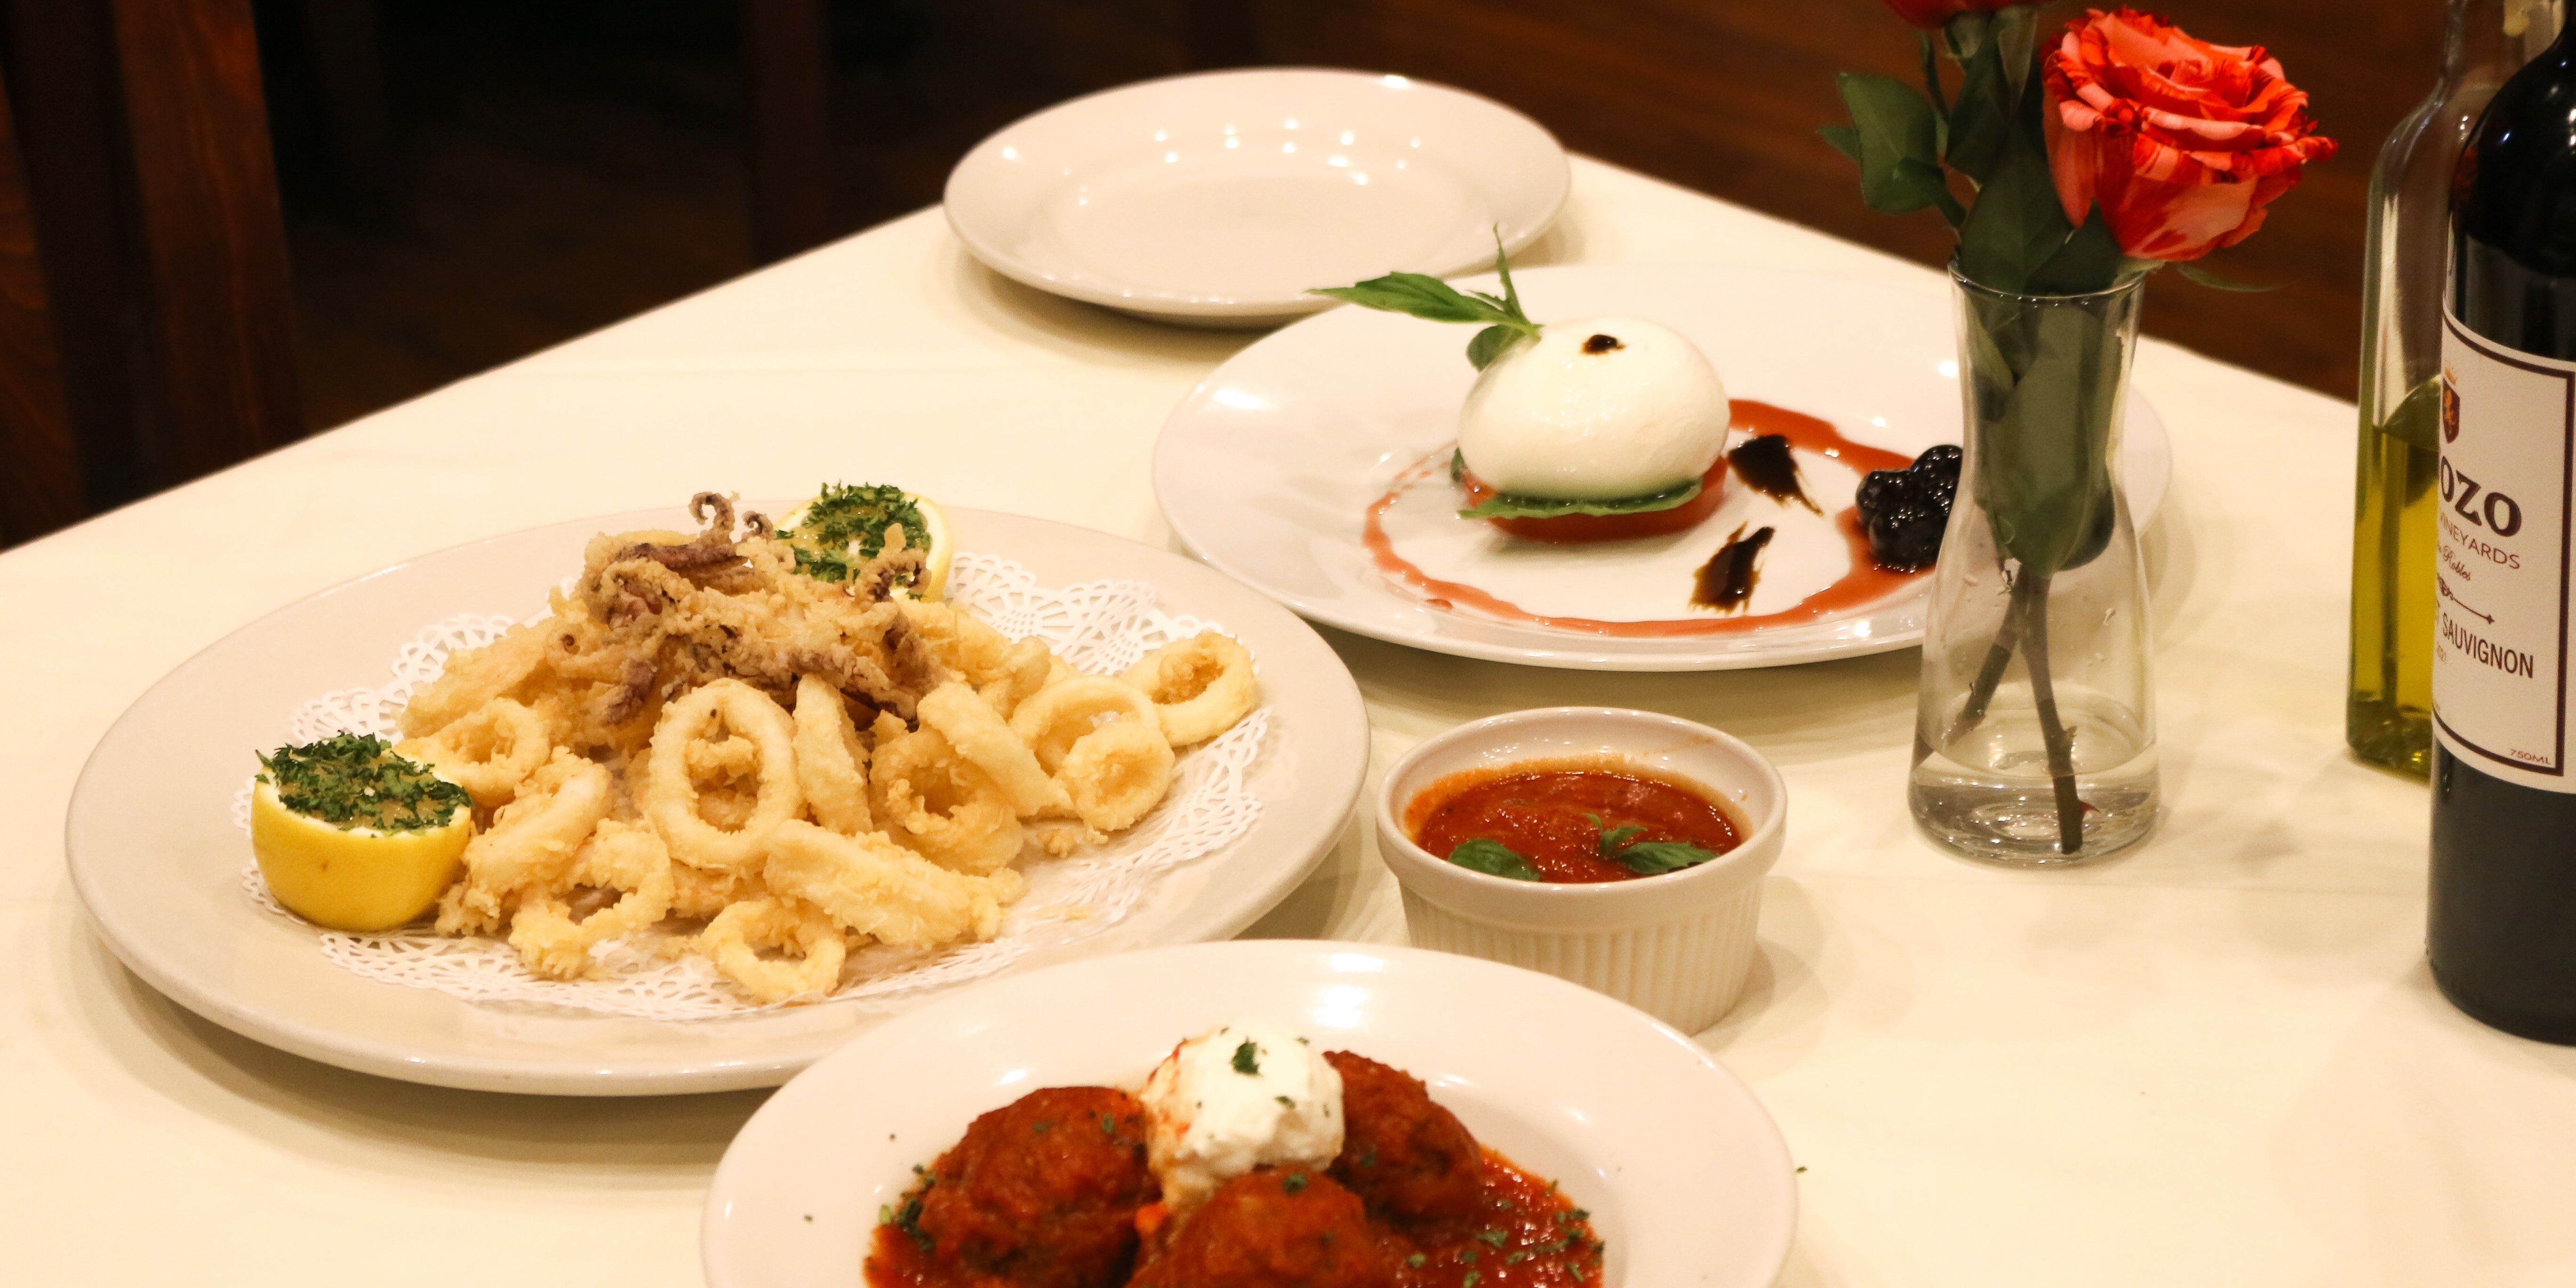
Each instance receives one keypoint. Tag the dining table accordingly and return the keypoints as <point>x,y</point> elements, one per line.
<point>2215,1059</point>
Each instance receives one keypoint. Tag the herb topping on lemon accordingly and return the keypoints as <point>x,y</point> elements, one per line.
<point>352,836</point>
<point>840,530</point>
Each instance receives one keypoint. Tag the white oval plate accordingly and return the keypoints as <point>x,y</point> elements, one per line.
<point>1267,469</point>
<point>1684,1173</point>
<point>1222,199</point>
<point>156,858</point>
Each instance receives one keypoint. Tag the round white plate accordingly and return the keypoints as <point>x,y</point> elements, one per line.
<point>1267,470</point>
<point>1222,199</point>
<point>157,859</point>
<point>1684,1173</point>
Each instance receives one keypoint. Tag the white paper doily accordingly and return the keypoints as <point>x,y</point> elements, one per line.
<point>1101,627</point>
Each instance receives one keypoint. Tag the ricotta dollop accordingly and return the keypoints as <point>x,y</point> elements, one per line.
<point>1249,1094</point>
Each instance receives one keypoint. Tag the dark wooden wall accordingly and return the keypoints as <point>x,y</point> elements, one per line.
<point>557,173</point>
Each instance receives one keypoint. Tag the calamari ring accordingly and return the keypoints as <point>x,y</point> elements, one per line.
<point>985,739</point>
<point>942,806</point>
<point>1030,667</point>
<point>529,845</point>
<point>871,886</point>
<point>696,892</point>
<point>1116,773</point>
<point>1200,686</point>
<point>488,751</point>
<point>472,678</point>
<point>671,796</point>
<point>1055,717</point>
<point>831,764</point>
<point>625,857</point>
<point>960,640</point>
<point>734,939</point>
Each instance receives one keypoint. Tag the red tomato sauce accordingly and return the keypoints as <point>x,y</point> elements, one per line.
<point>1570,528</point>
<point>1536,1236</point>
<point>1506,1229</point>
<point>1555,815</point>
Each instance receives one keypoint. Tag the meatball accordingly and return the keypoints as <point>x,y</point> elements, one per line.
<point>1043,1193</point>
<point>1275,1227</point>
<point>1410,1160</point>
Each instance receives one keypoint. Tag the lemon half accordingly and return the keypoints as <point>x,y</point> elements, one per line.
<point>938,548</point>
<point>353,878</point>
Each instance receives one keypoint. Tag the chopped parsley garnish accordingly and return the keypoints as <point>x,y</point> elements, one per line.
<point>356,780</point>
<point>1042,1126</point>
<point>1293,1183</point>
<point>908,1218</point>
<point>1472,1278</point>
<point>1247,1058</point>
<point>1285,1102</point>
<point>1368,1156</point>
<point>1494,859</point>
<point>1108,1125</point>
<point>1416,1260</point>
<point>1490,1238</point>
<point>851,513</point>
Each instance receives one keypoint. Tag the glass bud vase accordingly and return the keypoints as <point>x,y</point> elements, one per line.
<point>2035,740</point>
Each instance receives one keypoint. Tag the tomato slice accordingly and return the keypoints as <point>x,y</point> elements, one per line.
<point>1566,529</point>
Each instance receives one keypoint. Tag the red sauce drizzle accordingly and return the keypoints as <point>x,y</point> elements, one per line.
<point>1544,810</point>
<point>1866,582</point>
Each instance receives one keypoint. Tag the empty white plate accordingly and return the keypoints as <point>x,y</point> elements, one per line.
<point>1222,199</point>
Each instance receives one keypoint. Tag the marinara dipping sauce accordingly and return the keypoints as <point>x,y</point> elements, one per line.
<point>1546,811</point>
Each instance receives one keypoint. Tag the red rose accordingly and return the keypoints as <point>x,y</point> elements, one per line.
<point>2181,141</point>
<point>1932,14</point>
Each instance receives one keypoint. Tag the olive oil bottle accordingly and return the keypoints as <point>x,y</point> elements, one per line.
<point>2387,715</point>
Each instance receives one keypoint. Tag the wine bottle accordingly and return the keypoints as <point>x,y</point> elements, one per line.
<point>2389,705</point>
<point>2502,937</point>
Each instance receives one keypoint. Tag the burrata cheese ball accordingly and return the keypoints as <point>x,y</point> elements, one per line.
<point>1595,409</point>
<point>1249,1094</point>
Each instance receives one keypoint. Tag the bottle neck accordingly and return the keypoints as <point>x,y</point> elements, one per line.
<point>2494,38</point>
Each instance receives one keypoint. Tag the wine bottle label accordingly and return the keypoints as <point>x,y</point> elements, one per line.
<point>2501,617</point>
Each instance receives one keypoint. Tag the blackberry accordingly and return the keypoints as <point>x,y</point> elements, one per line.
<point>1904,511</point>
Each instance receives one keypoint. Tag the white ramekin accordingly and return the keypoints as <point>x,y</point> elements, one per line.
<point>1675,946</point>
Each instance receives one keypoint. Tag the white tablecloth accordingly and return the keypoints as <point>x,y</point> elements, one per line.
<point>2218,1061</point>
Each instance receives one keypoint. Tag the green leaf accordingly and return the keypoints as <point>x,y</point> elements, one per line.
<point>1614,837</point>
<point>1421,295</point>
<point>1494,859</point>
<point>1981,118</point>
<point>1965,34</point>
<point>1900,155</point>
<point>1845,139</point>
<point>1654,858</point>
<point>2044,381</point>
<point>1510,505</point>
<point>2017,224</point>
<point>1503,269</point>
<point>1489,344</point>
<point>2216,283</point>
<point>2089,261</point>
<point>1932,90</point>
<point>2016,37</point>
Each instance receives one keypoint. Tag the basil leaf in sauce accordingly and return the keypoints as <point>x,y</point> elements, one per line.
<point>1654,858</point>
<point>1614,837</point>
<point>1494,859</point>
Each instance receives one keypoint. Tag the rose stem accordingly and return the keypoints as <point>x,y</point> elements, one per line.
<point>1982,693</point>
<point>2052,731</point>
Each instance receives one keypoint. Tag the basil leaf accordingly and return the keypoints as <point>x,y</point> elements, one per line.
<point>1494,859</point>
<point>1614,837</point>
<point>1512,506</point>
<point>1653,858</point>
<point>1489,344</point>
<point>1663,856</point>
<point>1419,294</point>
